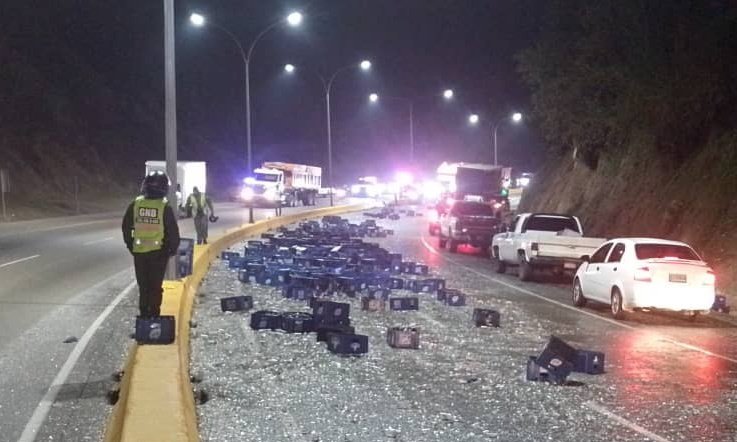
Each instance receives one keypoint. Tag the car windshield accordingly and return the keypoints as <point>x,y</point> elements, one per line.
<point>270,177</point>
<point>473,209</point>
<point>665,251</point>
<point>551,224</point>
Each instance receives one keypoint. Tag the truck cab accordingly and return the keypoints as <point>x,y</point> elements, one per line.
<point>265,187</point>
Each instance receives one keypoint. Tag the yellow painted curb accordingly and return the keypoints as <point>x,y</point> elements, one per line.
<point>156,403</point>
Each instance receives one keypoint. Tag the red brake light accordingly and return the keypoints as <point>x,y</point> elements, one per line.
<point>710,278</point>
<point>643,274</point>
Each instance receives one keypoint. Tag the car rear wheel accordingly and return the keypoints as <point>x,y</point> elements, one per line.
<point>579,300</point>
<point>525,271</point>
<point>617,306</point>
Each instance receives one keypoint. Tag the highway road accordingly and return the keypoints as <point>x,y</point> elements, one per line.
<point>667,378</point>
<point>59,279</point>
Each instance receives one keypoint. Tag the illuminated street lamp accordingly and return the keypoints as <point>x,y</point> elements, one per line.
<point>516,117</point>
<point>197,19</point>
<point>448,94</point>
<point>294,19</point>
<point>473,119</point>
<point>365,65</point>
<point>374,98</point>
<point>289,68</point>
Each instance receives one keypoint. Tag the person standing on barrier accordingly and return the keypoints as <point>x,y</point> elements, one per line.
<point>201,207</point>
<point>151,233</point>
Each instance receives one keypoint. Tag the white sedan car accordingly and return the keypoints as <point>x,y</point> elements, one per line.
<point>645,274</point>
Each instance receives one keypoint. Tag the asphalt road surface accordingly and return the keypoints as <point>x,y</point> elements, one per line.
<point>667,378</point>
<point>69,278</point>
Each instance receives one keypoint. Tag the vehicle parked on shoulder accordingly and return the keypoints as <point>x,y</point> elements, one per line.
<point>538,241</point>
<point>468,222</point>
<point>645,274</point>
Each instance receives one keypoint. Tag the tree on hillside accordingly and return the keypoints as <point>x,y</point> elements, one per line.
<point>604,72</point>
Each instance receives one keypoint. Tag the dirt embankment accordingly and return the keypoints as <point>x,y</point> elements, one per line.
<point>636,193</point>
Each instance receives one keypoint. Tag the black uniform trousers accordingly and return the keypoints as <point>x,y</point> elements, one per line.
<point>150,270</point>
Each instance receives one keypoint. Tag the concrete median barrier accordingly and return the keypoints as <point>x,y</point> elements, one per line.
<point>156,401</point>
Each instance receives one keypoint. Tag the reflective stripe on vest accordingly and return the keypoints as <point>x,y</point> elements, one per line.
<point>148,224</point>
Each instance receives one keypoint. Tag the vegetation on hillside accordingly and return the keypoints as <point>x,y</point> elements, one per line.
<point>637,102</point>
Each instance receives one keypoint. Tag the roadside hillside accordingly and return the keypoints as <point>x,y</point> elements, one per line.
<point>634,194</point>
<point>637,102</point>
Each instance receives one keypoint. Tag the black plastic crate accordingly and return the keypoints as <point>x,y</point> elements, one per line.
<point>373,304</point>
<point>330,312</point>
<point>324,329</point>
<point>158,330</point>
<point>486,317</point>
<point>558,357</point>
<point>378,293</point>
<point>297,322</point>
<point>347,344</point>
<point>298,293</point>
<point>400,304</point>
<point>236,303</point>
<point>403,337</point>
<point>245,277</point>
<point>227,255</point>
<point>454,298</point>
<point>265,320</point>
<point>589,362</point>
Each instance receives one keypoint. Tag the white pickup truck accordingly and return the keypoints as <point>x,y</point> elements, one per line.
<point>542,241</point>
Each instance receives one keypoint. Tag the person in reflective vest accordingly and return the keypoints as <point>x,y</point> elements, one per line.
<point>151,234</point>
<point>201,207</point>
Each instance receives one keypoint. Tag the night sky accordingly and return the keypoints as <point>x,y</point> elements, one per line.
<point>417,47</point>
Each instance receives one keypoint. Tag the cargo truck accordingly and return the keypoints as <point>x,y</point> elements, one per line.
<point>277,184</point>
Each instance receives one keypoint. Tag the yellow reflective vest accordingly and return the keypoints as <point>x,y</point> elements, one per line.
<point>148,224</point>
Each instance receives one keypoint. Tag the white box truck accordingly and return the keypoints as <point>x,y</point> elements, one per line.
<point>190,174</point>
<point>282,184</point>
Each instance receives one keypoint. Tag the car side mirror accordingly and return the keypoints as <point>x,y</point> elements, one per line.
<point>585,258</point>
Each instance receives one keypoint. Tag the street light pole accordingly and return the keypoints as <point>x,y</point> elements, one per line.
<point>411,133</point>
<point>330,145</point>
<point>170,115</point>
<point>447,94</point>
<point>515,118</point>
<point>293,19</point>
<point>327,86</point>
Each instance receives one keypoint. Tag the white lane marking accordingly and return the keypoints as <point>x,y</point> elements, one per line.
<point>569,307</point>
<point>42,410</point>
<point>54,228</point>
<point>27,258</point>
<point>97,241</point>
<point>631,425</point>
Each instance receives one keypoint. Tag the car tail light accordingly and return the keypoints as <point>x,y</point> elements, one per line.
<point>534,247</point>
<point>710,278</point>
<point>643,274</point>
<point>498,205</point>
